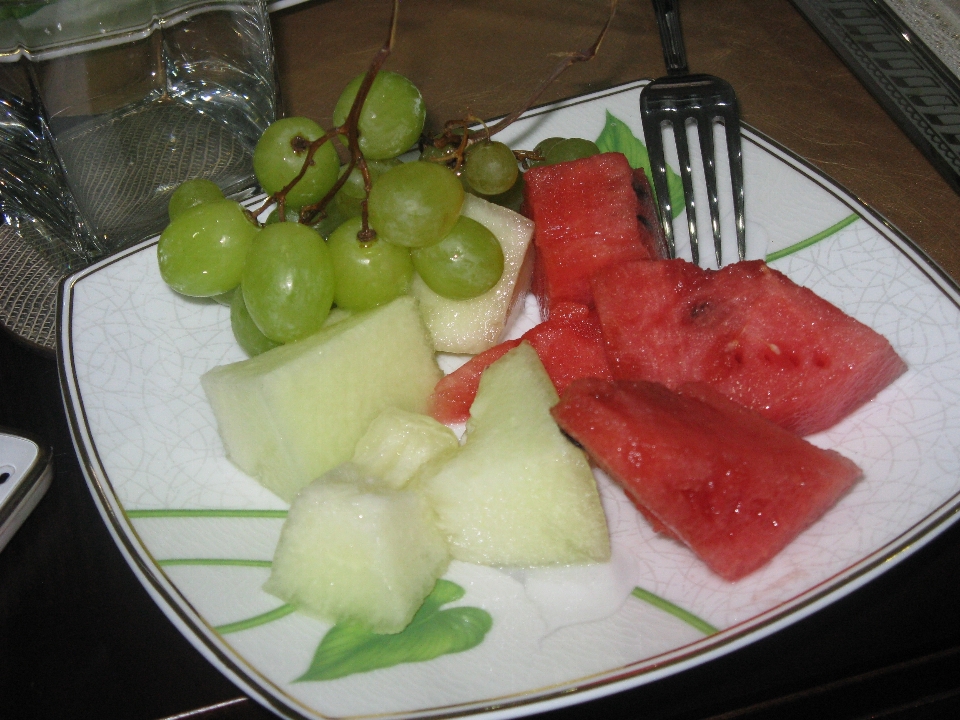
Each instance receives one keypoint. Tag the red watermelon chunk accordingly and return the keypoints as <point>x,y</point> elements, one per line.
<point>731,485</point>
<point>569,344</point>
<point>747,330</point>
<point>454,393</point>
<point>587,215</point>
<point>647,214</point>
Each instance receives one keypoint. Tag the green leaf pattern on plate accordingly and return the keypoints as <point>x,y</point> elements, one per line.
<point>350,648</point>
<point>678,612</point>
<point>616,136</point>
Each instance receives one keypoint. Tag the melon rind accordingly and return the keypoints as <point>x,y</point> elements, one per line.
<point>292,413</point>
<point>472,326</point>
<point>353,549</point>
<point>518,493</point>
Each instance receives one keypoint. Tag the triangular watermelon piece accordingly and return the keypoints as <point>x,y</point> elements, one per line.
<point>454,393</point>
<point>747,330</point>
<point>588,214</point>
<point>731,485</point>
<point>569,344</point>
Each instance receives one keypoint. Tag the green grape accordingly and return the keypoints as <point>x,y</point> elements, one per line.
<point>333,218</point>
<point>368,273</point>
<point>415,204</point>
<point>290,214</point>
<point>466,263</point>
<point>392,117</point>
<point>352,193</point>
<point>571,149</point>
<point>192,193</point>
<point>288,281</point>
<point>324,225</point>
<point>203,251</point>
<point>512,198</point>
<point>541,149</point>
<point>245,330</point>
<point>467,187</point>
<point>490,167</point>
<point>432,153</point>
<point>279,157</point>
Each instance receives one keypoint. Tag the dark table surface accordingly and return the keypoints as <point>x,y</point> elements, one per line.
<point>79,637</point>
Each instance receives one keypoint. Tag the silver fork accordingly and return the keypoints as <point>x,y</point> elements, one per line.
<point>676,100</point>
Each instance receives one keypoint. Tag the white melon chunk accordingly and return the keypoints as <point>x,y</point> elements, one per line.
<point>518,492</point>
<point>398,443</point>
<point>292,413</point>
<point>472,326</point>
<point>354,549</point>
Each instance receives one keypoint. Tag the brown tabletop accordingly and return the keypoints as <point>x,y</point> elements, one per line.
<point>79,637</point>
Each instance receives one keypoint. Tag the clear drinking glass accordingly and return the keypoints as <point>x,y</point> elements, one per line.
<point>107,105</point>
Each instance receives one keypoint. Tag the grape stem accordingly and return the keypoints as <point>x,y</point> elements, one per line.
<point>528,156</point>
<point>463,137</point>
<point>349,129</point>
<point>456,132</point>
<point>467,137</point>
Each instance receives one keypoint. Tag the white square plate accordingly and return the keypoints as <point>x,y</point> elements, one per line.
<point>200,534</point>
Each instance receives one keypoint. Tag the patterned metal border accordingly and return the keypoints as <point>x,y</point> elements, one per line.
<point>899,70</point>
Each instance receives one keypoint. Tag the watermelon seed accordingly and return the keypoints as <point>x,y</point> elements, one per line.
<point>700,309</point>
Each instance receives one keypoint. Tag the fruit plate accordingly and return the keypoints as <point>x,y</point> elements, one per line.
<point>200,535</point>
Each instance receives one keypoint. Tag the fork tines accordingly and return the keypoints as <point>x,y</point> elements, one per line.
<point>703,99</point>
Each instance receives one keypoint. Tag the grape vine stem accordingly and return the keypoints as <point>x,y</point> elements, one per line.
<point>456,132</point>
<point>349,130</point>
<point>464,138</point>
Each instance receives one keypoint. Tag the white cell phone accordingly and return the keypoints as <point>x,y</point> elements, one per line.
<point>26,468</point>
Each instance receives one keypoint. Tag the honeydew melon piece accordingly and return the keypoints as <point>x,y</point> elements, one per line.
<point>354,549</point>
<point>398,443</point>
<point>517,492</point>
<point>336,315</point>
<point>292,413</point>
<point>472,326</point>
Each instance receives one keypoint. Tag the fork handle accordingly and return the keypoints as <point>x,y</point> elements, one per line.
<point>671,36</point>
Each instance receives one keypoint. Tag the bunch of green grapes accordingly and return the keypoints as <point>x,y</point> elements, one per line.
<point>281,279</point>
